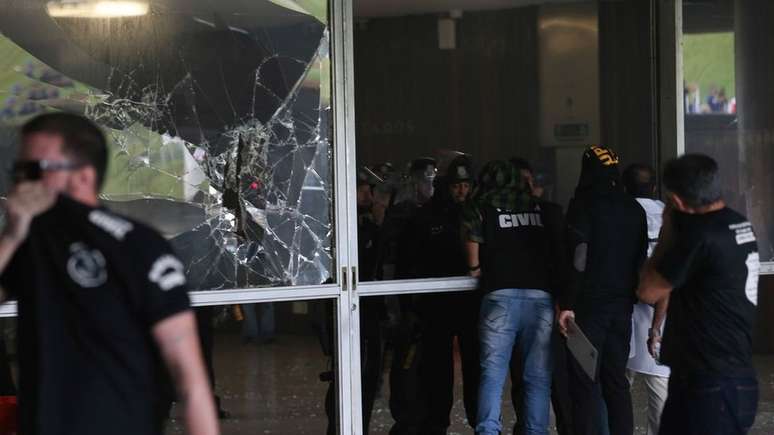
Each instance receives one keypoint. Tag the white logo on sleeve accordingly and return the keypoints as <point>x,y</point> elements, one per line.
<point>753,270</point>
<point>167,272</point>
<point>744,232</point>
<point>113,225</point>
<point>86,266</point>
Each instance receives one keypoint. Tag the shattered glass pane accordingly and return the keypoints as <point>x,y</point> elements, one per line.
<point>219,118</point>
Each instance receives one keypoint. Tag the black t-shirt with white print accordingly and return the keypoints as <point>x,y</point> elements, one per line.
<point>523,249</point>
<point>713,267</point>
<point>91,285</point>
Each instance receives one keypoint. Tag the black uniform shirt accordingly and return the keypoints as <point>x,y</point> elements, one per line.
<point>91,285</point>
<point>523,249</point>
<point>713,266</point>
<point>433,244</point>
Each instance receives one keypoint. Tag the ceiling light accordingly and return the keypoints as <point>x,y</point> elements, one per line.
<point>96,8</point>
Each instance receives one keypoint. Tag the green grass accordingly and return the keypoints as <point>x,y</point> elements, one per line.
<point>708,61</point>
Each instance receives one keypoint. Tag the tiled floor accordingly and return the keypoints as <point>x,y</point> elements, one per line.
<point>275,389</point>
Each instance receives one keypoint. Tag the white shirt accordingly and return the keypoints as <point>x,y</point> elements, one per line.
<point>639,358</point>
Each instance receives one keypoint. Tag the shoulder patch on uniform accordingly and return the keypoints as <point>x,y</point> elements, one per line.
<point>167,272</point>
<point>744,232</point>
<point>111,224</point>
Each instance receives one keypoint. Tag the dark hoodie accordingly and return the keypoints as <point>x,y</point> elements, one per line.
<point>614,229</point>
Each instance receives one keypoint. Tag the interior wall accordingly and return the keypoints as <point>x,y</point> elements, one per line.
<point>627,81</point>
<point>483,97</point>
<point>413,98</point>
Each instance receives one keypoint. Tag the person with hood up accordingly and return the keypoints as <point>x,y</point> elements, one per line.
<point>514,245</point>
<point>608,241</point>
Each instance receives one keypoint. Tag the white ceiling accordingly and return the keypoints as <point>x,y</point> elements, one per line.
<point>389,8</point>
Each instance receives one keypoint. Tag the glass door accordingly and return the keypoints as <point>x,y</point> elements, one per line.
<point>226,135</point>
<point>531,82</point>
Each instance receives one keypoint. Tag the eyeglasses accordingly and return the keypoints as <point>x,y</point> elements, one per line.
<point>32,170</point>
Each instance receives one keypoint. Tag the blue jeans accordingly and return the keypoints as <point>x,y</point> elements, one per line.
<point>509,316</point>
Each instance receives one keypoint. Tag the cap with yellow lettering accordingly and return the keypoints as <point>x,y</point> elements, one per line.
<point>605,156</point>
<point>599,169</point>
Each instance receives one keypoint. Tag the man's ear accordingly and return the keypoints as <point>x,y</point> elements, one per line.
<point>85,178</point>
<point>678,203</point>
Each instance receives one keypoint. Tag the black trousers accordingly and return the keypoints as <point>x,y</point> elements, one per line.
<point>608,327</point>
<point>446,316</point>
<point>7,387</point>
<point>560,388</point>
<point>710,405</point>
<point>371,353</point>
<point>406,394</point>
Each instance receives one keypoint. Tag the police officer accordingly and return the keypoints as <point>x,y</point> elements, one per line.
<point>406,404</point>
<point>439,252</point>
<point>372,310</point>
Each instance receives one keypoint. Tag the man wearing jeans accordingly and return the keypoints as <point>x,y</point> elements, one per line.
<point>514,244</point>
<point>706,262</point>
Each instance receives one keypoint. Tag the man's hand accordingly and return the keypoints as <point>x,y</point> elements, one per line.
<point>475,273</point>
<point>564,321</point>
<point>25,201</point>
<point>654,341</point>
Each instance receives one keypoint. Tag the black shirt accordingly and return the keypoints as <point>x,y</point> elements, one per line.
<point>713,266</point>
<point>614,228</point>
<point>523,249</point>
<point>432,246</point>
<point>91,285</point>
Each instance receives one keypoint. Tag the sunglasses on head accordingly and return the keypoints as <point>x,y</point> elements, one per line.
<point>32,170</point>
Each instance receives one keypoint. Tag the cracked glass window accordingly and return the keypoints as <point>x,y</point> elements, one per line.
<point>218,116</point>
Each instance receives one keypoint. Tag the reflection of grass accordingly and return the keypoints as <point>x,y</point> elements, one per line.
<point>145,167</point>
<point>127,175</point>
<point>708,60</point>
<point>315,8</point>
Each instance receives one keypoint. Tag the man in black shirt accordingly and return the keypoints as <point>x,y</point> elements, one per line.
<point>102,299</point>
<point>406,404</point>
<point>515,246</point>
<point>435,234</point>
<point>706,263</point>
<point>608,241</point>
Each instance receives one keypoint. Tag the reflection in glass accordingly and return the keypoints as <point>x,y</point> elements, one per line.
<point>218,116</point>
<point>728,103</point>
<point>278,378</point>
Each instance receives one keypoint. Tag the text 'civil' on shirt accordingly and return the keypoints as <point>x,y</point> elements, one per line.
<point>521,249</point>
<point>91,285</point>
